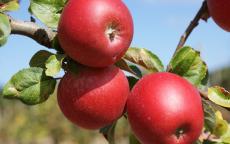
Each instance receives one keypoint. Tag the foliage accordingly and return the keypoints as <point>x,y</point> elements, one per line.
<point>36,84</point>
<point>48,11</point>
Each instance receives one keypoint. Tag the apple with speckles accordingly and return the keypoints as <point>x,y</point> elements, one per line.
<point>96,33</point>
<point>93,97</point>
<point>164,108</point>
<point>220,12</point>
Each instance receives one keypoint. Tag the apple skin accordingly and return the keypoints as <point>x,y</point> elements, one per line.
<point>93,98</point>
<point>162,104</point>
<point>96,33</point>
<point>220,12</point>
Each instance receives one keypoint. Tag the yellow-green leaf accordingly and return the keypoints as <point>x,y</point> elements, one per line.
<point>221,125</point>
<point>10,6</point>
<point>219,96</point>
<point>4,29</point>
<point>54,64</point>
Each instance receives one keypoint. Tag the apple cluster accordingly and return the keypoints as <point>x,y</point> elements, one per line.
<point>162,108</point>
<point>96,34</point>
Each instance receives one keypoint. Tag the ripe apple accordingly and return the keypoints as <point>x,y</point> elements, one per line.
<point>164,108</point>
<point>93,98</point>
<point>96,33</point>
<point>220,12</point>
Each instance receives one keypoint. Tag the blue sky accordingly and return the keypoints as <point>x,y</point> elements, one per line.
<point>158,27</point>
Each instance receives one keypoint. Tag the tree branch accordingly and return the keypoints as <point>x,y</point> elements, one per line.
<point>202,14</point>
<point>43,36</point>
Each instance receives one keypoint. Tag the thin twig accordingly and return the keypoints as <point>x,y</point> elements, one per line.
<point>201,14</point>
<point>43,36</point>
<point>194,23</point>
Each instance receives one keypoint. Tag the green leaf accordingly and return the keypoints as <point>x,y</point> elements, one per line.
<point>54,64</point>
<point>221,125</point>
<point>132,81</point>
<point>56,45</point>
<point>31,86</point>
<point>144,58</point>
<point>136,69</point>
<point>198,142</point>
<point>39,59</point>
<point>4,29</point>
<point>210,142</point>
<point>188,64</point>
<point>109,132</point>
<point>10,6</point>
<point>219,96</point>
<point>209,116</point>
<point>122,64</point>
<point>133,139</point>
<point>48,11</point>
<point>129,67</point>
<point>203,86</point>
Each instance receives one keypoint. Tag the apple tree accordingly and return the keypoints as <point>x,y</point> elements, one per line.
<point>106,79</point>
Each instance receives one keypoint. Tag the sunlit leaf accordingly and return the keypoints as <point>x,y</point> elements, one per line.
<point>54,64</point>
<point>188,64</point>
<point>226,137</point>
<point>221,125</point>
<point>48,11</point>
<point>144,58</point>
<point>219,96</point>
<point>4,29</point>
<point>31,86</point>
<point>12,5</point>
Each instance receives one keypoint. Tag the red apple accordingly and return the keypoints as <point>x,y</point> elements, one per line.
<point>220,12</point>
<point>164,108</point>
<point>93,98</point>
<point>96,33</point>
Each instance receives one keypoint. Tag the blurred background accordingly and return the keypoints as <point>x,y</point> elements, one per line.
<point>158,27</point>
